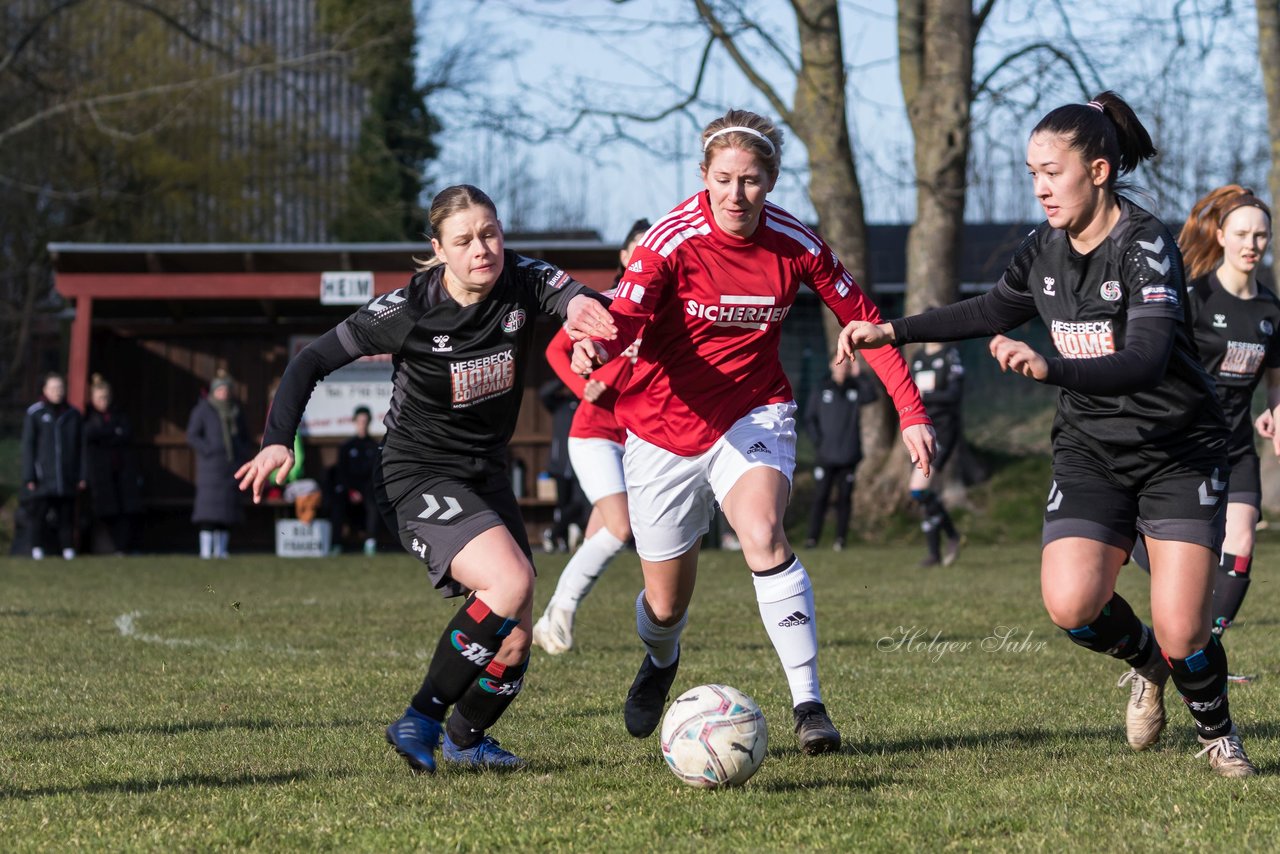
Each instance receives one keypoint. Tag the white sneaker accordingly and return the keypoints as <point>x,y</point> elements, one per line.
<point>1144,717</point>
<point>1226,755</point>
<point>554,631</point>
<point>37,553</point>
<point>68,554</point>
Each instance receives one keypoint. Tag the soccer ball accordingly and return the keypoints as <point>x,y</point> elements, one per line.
<point>714,735</point>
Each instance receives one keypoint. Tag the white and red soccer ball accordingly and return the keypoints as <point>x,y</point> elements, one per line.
<point>713,736</point>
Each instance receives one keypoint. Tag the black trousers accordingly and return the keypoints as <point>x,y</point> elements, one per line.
<point>62,507</point>
<point>840,477</point>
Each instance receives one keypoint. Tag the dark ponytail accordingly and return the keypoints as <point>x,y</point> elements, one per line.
<point>1105,127</point>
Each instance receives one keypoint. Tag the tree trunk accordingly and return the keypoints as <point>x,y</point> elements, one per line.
<point>819,119</point>
<point>1269,55</point>
<point>935,60</point>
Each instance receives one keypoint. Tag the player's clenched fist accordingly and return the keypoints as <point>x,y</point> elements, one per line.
<point>860,335</point>
<point>587,356</point>
<point>1018,357</point>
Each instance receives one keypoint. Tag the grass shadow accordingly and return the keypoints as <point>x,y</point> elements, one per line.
<point>139,787</point>
<point>183,727</point>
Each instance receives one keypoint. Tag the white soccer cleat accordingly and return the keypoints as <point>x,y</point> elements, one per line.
<point>554,631</point>
<point>1144,717</point>
<point>1226,755</point>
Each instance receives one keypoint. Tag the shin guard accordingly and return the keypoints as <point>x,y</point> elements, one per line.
<point>1201,679</point>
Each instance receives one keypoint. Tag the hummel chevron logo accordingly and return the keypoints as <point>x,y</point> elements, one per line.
<point>1162,267</point>
<point>1055,498</point>
<point>758,448</point>
<point>433,504</point>
<point>386,301</point>
<point>1154,248</point>
<point>1211,485</point>
<point>799,618</point>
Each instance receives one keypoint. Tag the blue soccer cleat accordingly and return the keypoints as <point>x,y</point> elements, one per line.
<point>486,753</point>
<point>415,737</point>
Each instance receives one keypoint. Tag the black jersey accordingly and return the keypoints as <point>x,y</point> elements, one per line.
<point>1087,301</point>
<point>458,371</point>
<point>940,378</point>
<point>1237,342</point>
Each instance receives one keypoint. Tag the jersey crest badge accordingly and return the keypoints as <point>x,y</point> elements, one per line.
<point>1265,327</point>
<point>513,321</point>
<point>1048,286</point>
<point>442,344</point>
<point>1110,291</point>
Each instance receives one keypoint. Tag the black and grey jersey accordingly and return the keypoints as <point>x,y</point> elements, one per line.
<point>1237,341</point>
<point>1087,302</point>
<point>940,378</point>
<point>458,371</point>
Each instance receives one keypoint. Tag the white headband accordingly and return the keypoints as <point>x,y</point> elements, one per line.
<point>751,131</point>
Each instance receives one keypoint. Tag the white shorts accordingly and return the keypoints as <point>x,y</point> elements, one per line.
<point>671,497</point>
<point>597,463</point>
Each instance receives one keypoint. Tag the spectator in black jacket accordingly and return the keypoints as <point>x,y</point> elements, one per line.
<point>833,422</point>
<point>52,467</point>
<point>112,467</point>
<point>351,483</point>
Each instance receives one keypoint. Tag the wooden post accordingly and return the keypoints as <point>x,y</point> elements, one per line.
<point>78,361</point>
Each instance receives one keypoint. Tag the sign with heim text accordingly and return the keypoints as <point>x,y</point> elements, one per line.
<point>346,287</point>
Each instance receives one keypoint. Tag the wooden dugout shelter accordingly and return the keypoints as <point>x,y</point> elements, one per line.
<point>157,321</point>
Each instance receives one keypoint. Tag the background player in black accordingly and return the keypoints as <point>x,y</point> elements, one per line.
<point>461,334</point>
<point>832,418</point>
<point>1139,442</point>
<point>1236,319</point>
<point>351,482</point>
<point>939,374</point>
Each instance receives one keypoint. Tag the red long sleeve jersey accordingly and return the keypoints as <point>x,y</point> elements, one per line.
<point>591,420</point>
<point>709,306</point>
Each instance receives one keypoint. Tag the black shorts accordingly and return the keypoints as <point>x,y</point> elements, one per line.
<point>1246,475</point>
<point>436,515</point>
<point>1173,492</point>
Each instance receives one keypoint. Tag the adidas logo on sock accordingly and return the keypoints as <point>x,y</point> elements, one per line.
<point>758,448</point>
<point>799,618</point>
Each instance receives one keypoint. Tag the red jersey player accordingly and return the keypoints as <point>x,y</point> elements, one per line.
<point>709,411</point>
<point>595,450</point>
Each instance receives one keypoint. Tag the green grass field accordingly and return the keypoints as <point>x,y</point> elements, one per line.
<point>168,703</point>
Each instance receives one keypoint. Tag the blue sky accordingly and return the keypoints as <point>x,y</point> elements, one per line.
<point>543,62</point>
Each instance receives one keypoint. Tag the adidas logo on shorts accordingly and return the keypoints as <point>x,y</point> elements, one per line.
<point>758,448</point>
<point>799,618</point>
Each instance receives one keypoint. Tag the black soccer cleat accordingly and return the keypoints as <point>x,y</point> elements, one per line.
<point>648,696</point>
<point>814,729</point>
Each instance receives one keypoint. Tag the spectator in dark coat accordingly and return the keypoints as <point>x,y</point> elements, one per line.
<point>833,422</point>
<point>115,485</point>
<point>52,468</point>
<point>221,441</point>
<point>351,483</point>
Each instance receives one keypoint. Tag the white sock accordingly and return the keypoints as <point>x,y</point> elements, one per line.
<point>584,568</point>
<point>206,544</point>
<point>663,642</point>
<point>786,608</point>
